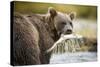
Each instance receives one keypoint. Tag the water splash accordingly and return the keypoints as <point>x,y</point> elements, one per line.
<point>68,43</point>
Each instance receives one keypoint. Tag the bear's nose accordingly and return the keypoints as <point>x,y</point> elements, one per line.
<point>69,31</point>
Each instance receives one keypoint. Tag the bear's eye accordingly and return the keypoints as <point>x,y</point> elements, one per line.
<point>64,23</point>
<point>71,24</point>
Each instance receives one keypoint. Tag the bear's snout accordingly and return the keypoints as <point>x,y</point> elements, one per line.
<point>69,31</point>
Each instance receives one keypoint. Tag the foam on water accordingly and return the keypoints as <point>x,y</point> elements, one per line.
<point>67,43</point>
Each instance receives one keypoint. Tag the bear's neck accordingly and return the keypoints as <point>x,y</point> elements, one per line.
<point>49,23</point>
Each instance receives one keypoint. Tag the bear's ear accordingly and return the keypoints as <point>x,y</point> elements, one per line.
<point>52,12</point>
<point>72,15</point>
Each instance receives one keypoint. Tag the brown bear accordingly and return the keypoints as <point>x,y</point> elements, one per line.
<point>34,34</point>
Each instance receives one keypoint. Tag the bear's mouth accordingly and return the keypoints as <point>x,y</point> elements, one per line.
<point>65,32</point>
<point>68,32</point>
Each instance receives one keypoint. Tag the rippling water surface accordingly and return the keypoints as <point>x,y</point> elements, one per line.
<point>73,57</point>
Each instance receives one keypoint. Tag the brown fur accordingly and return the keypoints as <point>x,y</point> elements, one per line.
<point>30,40</point>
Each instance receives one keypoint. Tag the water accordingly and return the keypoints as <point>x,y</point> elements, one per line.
<point>87,28</point>
<point>68,50</point>
<point>82,24</point>
<point>73,57</point>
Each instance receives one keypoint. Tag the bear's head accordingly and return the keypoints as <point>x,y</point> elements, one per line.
<point>62,22</point>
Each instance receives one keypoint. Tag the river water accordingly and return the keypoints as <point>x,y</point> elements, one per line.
<point>73,57</point>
